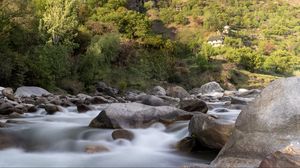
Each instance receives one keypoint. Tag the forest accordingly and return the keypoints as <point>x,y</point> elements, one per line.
<point>71,44</point>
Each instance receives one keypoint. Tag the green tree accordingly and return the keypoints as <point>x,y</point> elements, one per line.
<point>60,21</point>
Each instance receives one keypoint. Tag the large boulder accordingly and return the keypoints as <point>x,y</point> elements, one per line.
<point>287,157</point>
<point>6,108</point>
<point>136,115</point>
<point>208,88</point>
<point>193,105</point>
<point>158,91</point>
<point>177,92</point>
<point>265,126</point>
<point>27,91</point>
<point>150,100</point>
<point>210,131</point>
<point>9,93</point>
<point>122,134</point>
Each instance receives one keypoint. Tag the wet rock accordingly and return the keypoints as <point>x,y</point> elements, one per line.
<point>288,157</point>
<point>187,144</point>
<point>177,92</point>
<point>9,93</point>
<point>27,91</point>
<point>150,100</point>
<point>136,115</point>
<point>51,108</point>
<point>171,101</point>
<point>122,134</point>
<point>268,124</point>
<point>99,100</point>
<point>83,96</point>
<point>40,100</point>
<point>83,108</point>
<point>192,105</point>
<point>209,131</point>
<point>6,108</point>
<point>158,91</point>
<point>96,149</point>
<point>248,93</point>
<point>15,115</point>
<point>240,100</point>
<point>208,88</point>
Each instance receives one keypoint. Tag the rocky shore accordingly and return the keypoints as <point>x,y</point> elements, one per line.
<point>265,134</point>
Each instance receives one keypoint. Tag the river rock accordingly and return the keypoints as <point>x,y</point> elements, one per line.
<point>192,105</point>
<point>9,93</point>
<point>288,157</point>
<point>265,126</point>
<point>209,131</point>
<point>122,134</point>
<point>187,144</point>
<point>105,89</point>
<point>6,108</point>
<point>240,100</point>
<point>83,108</point>
<point>208,88</point>
<point>158,91</point>
<point>51,108</point>
<point>96,149</point>
<point>27,91</point>
<point>136,115</point>
<point>150,100</point>
<point>178,92</point>
<point>98,100</point>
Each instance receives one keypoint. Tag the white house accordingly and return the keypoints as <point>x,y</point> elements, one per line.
<point>216,41</point>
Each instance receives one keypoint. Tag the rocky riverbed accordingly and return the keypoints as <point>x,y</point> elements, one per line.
<point>165,127</point>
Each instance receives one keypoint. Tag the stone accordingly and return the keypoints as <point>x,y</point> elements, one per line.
<point>150,100</point>
<point>83,108</point>
<point>209,131</point>
<point>99,100</point>
<point>136,115</point>
<point>122,134</point>
<point>6,108</point>
<point>177,92</point>
<point>187,144</point>
<point>96,149</point>
<point>192,105</point>
<point>158,91</point>
<point>27,91</point>
<point>51,108</point>
<point>9,93</point>
<point>287,157</point>
<point>8,140</point>
<point>105,89</point>
<point>208,88</point>
<point>268,124</point>
<point>240,100</point>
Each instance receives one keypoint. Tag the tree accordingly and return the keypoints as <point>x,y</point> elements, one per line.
<point>60,21</point>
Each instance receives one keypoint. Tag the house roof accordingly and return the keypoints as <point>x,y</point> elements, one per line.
<point>216,38</point>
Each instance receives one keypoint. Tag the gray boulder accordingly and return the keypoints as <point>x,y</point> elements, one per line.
<point>208,88</point>
<point>265,126</point>
<point>209,131</point>
<point>177,92</point>
<point>192,105</point>
<point>150,100</point>
<point>9,93</point>
<point>158,91</point>
<point>136,115</point>
<point>27,91</point>
<point>287,157</point>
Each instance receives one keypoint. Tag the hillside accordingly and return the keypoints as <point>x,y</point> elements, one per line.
<point>71,44</point>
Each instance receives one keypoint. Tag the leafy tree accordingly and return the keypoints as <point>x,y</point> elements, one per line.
<point>60,21</point>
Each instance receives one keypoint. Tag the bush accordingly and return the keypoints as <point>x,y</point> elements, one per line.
<point>245,57</point>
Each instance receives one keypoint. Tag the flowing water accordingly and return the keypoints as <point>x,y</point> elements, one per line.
<point>60,140</point>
